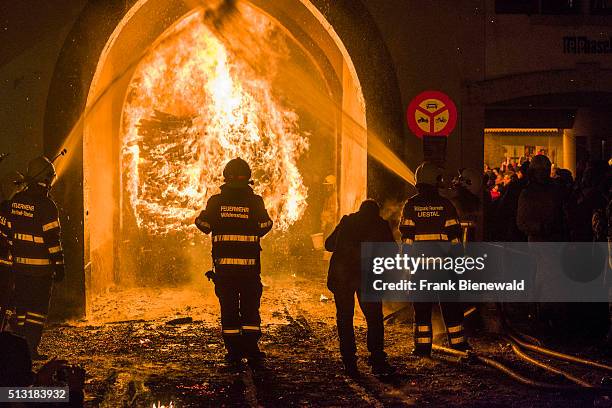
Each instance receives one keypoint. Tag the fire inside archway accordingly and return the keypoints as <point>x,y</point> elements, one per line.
<point>173,100</point>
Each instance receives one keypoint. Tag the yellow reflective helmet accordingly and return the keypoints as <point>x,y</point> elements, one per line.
<point>330,180</point>
<point>41,170</point>
<point>428,173</point>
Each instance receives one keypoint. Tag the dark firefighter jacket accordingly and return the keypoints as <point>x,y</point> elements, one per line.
<point>237,219</point>
<point>345,243</point>
<point>5,230</point>
<point>468,213</point>
<point>428,216</point>
<point>35,232</point>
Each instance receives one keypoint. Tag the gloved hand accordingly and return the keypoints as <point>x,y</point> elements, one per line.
<point>211,275</point>
<point>60,271</point>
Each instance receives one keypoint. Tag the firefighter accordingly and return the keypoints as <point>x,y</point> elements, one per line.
<point>38,257</point>
<point>467,199</point>
<point>6,263</point>
<point>330,206</point>
<point>9,186</point>
<point>429,217</point>
<point>237,219</point>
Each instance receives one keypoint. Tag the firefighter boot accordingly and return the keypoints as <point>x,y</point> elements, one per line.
<point>30,326</point>
<point>233,361</point>
<point>456,337</point>
<point>232,340</point>
<point>250,346</point>
<point>380,366</point>
<point>422,340</point>
<point>350,367</point>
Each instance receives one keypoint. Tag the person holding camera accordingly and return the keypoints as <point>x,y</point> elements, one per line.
<point>16,371</point>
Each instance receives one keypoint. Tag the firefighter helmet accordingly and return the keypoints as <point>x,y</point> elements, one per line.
<point>330,180</point>
<point>41,170</point>
<point>471,179</point>
<point>428,173</point>
<point>10,185</point>
<point>237,170</point>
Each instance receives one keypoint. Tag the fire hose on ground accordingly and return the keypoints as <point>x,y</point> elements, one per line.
<point>470,356</point>
<point>502,368</point>
<point>517,345</point>
<point>558,355</point>
<point>520,354</point>
<point>534,345</point>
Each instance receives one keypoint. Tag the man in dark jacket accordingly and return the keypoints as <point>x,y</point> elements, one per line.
<point>237,219</point>
<point>540,216</point>
<point>540,205</point>
<point>585,202</point>
<point>344,280</point>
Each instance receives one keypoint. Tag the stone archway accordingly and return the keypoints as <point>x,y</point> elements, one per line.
<point>74,77</point>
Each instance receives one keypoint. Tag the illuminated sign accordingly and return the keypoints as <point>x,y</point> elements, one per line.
<point>432,113</point>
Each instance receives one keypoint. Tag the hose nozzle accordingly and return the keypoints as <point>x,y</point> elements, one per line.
<point>61,153</point>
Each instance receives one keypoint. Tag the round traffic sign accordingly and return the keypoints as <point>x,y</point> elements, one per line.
<point>432,113</point>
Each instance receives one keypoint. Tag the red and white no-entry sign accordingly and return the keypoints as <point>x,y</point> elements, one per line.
<point>432,113</point>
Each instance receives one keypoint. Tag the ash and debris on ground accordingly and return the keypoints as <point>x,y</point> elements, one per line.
<point>152,347</point>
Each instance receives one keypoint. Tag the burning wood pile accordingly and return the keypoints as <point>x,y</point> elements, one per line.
<point>164,141</point>
<point>191,107</point>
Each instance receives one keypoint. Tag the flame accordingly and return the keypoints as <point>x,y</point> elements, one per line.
<point>160,405</point>
<point>190,108</point>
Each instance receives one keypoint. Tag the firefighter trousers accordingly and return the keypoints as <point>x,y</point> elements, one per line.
<point>6,293</point>
<point>453,319</point>
<point>6,286</point>
<point>345,309</point>
<point>32,293</point>
<point>239,297</point>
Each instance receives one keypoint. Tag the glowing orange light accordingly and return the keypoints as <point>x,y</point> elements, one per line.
<point>205,108</point>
